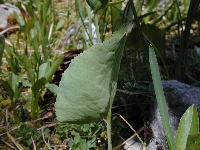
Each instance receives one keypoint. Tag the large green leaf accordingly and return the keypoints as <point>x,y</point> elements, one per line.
<point>86,86</point>
<point>189,125</point>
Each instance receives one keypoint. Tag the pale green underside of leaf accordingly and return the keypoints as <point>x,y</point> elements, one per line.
<point>85,87</point>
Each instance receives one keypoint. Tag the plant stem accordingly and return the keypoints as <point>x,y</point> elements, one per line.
<point>34,108</point>
<point>112,96</point>
<point>109,128</point>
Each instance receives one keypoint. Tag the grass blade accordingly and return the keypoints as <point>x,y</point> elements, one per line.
<point>162,106</point>
<point>2,44</point>
<point>182,61</point>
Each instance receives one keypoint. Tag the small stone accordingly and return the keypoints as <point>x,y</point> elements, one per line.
<point>133,144</point>
<point>7,10</point>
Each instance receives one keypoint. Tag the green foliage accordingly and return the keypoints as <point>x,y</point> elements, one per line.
<point>92,75</point>
<point>33,72</point>
<point>88,32</point>
<point>29,133</point>
<point>79,143</point>
<point>46,72</point>
<point>193,142</point>
<point>187,136</point>
<point>12,57</point>
<point>51,68</point>
<point>26,132</point>
<point>162,106</point>
<point>184,38</point>
<point>152,35</point>
<point>2,45</point>
<point>27,65</point>
<point>38,34</point>
<point>97,4</point>
<point>81,136</point>
<point>14,91</point>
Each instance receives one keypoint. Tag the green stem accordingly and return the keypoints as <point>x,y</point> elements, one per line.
<point>34,108</point>
<point>16,117</point>
<point>109,128</point>
<point>109,131</point>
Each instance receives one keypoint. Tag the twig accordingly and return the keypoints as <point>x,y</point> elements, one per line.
<point>132,128</point>
<point>125,92</point>
<point>48,125</point>
<point>190,77</point>
<point>8,42</point>
<point>10,137</point>
<point>10,130</point>
<point>14,142</point>
<point>141,129</point>
<point>10,28</point>
<point>33,143</point>
<point>49,147</point>
<point>8,144</point>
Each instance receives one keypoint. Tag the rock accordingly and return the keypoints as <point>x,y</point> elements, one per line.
<point>179,97</point>
<point>133,144</point>
<point>7,18</point>
<point>73,30</point>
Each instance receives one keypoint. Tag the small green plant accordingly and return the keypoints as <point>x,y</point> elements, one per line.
<point>29,133</point>
<point>81,141</point>
<point>187,136</point>
<point>14,91</point>
<point>81,136</point>
<point>39,66</point>
<point>182,61</point>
